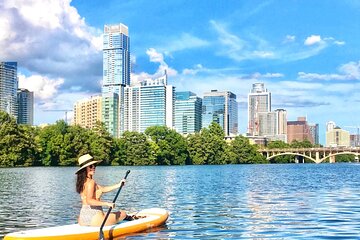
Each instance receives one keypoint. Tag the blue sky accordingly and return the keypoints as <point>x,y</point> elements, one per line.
<point>306,52</point>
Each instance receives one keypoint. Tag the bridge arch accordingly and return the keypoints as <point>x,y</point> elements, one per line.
<point>291,153</point>
<point>338,153</point>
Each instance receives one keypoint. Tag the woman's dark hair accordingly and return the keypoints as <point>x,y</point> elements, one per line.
<point>81,178</point>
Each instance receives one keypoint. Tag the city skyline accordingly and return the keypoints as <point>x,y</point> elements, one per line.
<point>307,54</point>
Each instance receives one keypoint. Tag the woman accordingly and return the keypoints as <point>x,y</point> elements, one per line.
<point>91,213</point>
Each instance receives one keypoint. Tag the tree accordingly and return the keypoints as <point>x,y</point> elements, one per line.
<point>208,146</point>
<point>171,146</point>
<point>101,143</point>
<point>137,149</point>
<point>244,152</point>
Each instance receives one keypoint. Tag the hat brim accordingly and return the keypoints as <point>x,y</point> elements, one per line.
<point>88,164</point>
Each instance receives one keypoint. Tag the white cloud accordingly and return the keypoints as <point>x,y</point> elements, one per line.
<point>154,56</point>
<point>183,42</point>
<point>339,42</point>
<point>43,87</point>
<point>238,49</point>
<point>51,39</point>
<point>313,39</point>
<point>348,71</point>
<point>351,69</point>
<point>289,38</point>
<point>267,75</point>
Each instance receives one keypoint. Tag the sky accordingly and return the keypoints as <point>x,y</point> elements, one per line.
<point>307,53</point>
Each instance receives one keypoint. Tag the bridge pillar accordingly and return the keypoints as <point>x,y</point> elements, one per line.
<point>332,159</point>
<point>317,157</point>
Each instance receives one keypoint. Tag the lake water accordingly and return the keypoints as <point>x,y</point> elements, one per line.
<point>294,201</point>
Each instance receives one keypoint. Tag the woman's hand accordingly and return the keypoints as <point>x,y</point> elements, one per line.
<point>122,182</point>
<point>110,205</point>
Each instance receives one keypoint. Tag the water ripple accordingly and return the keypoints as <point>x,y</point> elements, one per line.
<point>297,201</point>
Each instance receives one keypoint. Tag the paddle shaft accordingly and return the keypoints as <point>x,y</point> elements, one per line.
<point>101,236</point>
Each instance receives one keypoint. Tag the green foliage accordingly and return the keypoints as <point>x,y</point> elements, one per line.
<point>345,158</point>
<point>169,146</point>
<point>60,145</point>
<point>244,152</point>
<point>137,149</point>
<point>208,146</point>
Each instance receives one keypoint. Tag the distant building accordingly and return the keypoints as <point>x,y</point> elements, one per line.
<point>220,107</point>
<point>8,88</point>
<point>25,100</point>
<point>314,132</point>
<point>259,101</point>
<point>88,111</point>
<point>110,113</point>
<point>188,109</point>
<point>116,74</point>
<point>281,125</point>
<point>337,137</point>
<point>354,140</point>
<point>299,130</point>
<point>267,123</point>
<point>150,103</point>
<point>330,126</point>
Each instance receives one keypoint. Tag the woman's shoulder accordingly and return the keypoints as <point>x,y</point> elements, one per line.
<point>90,182</point>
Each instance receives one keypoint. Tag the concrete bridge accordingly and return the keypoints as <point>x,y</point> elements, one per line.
<point>316,155</point>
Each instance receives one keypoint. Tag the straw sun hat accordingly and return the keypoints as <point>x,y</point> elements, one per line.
<point>86,160</point>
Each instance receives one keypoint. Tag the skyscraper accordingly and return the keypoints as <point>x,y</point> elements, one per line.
<point>8,88</point>
<point>116,72</point>
<point>151,103</point>
<point>220,107</point>
<point>25,100</point>
<point>259,100</point>
<point>187,112</point>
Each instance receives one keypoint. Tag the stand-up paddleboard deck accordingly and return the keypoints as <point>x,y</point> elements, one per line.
<point>154,217</point>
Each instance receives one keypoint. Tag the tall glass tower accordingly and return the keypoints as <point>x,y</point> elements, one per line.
<point>25,100</point>
<point>151,103</point>
<point>116,75</point>
<point>187,112</point>
<point>8,88</point>
<point>220,107</point>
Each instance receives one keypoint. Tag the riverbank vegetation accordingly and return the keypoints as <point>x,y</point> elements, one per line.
<point>60,144</point>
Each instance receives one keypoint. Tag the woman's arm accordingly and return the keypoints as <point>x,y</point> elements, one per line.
<point>111,188</point>
<point>90,196</point>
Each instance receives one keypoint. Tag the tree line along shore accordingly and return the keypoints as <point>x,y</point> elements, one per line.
<point>61,144</point>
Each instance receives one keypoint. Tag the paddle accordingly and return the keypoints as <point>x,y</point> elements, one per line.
<point>101,234</point>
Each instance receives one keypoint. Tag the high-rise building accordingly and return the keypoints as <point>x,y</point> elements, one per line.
<point>25,100</point>
<point>314,132</point>
<point>8,88</point>
<point>187,112</point>
<point>151,103</point>
<point>337,137</point>
<point>110,113</point>
<point>299,130</point>
<point>267,123</point>
<point>220,107</point>
<point>116,70</point>
<point>88,111</point>
<point>281,124</point>
<point>259,100</point>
